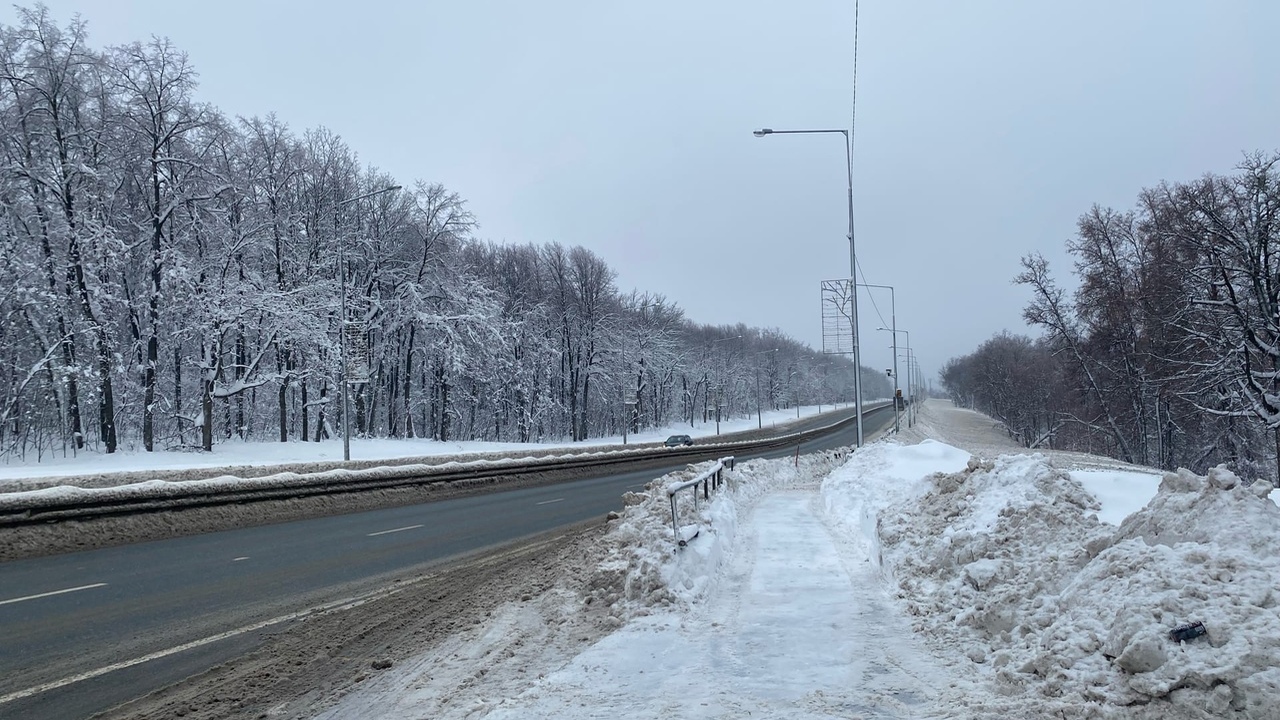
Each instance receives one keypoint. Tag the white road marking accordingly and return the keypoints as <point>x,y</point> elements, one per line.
<point>55,592</point>
<point>548,502</point>
<point>89,675</point>
<point>242,557</point>
<point>384,532</point>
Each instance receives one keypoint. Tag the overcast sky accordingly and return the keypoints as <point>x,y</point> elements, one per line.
<point>984,129</point>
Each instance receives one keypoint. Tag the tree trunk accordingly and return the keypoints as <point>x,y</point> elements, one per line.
<point>177,392</point>
<point>153,311</point>
<point>282,395</point>
<point>206,404</point>
<point>306,413</point>
<point>408,384</point>
<point>321,432</point>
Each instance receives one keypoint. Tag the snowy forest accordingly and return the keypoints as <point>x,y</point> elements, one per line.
<point>1168,351</point>
<point>173,277</point>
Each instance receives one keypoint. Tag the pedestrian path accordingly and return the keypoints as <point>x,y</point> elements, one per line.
<point>799,626</point>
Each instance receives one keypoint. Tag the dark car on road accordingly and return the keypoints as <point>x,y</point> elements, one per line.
<point>678,440</point>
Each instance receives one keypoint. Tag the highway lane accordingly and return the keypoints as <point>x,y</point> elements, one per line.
<point>70,613</point>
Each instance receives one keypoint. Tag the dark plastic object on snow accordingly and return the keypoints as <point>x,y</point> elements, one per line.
<point>1187,632</point>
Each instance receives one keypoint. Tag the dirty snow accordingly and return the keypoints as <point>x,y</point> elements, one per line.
<point>1063,612</point>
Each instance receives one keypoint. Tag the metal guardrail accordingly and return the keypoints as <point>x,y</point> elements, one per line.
<point>37,507</point>
<point>709,479</point>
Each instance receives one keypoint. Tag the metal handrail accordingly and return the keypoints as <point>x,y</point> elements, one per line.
<point>710,479</point>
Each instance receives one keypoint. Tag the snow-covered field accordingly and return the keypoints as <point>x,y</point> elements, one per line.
<point>905,581</point>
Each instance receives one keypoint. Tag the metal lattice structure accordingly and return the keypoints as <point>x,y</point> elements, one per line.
<point>837,317</point>
<point>356,337</point>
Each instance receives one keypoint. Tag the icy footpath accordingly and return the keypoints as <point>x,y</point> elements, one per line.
<point>797,624</point>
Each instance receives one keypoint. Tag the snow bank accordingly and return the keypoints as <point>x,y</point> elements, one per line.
<point>235,457</point>
<point>877,476</point>
<point>1007,565</point>
<point>1120,492</point>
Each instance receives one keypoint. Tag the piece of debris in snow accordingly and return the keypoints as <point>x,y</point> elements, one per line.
<point>1182,633</point>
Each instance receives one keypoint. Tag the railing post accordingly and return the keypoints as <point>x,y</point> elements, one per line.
<point>710,479</point>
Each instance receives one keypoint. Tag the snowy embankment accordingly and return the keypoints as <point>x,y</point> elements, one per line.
<point>248,459</point>
<point>1006,566</point>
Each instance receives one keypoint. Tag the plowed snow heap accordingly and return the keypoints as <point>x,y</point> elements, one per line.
<point>1006,562</point>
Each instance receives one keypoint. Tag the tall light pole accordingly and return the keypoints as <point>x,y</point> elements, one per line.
<point>795,391</point>
<point>896,332</point>
<point>627,406</point>
<point>917,375</point>
<point>719,390</point>
<point>342,335</point>
<point>630,407</point>
<point>893,318</point>
<point>853,260</point>
<point>912,380</point>
<point>759,416</point>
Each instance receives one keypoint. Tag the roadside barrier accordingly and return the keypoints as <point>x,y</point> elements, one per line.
<point>62,504</point>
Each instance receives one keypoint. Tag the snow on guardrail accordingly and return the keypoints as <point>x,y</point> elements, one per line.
<point>65,502</point>
<point>710,479</point>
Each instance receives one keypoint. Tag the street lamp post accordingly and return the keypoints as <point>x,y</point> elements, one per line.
<point>795,391</point>
<point>853,260</point>
<point>759,415</point>
<point>916,374</point>
<point>628,408</point>
<point>823,388</point>
<point>912,379</point>
<point>342,335</point>
<point>895,332</point>
<point>719,382</point>
<point>893,318</point>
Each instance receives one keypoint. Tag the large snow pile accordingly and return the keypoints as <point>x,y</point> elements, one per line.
<point>878,476</point>
<point>1121,492</point>
<point>1006,564</point>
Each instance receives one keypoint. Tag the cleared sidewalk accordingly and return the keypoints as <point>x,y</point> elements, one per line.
<point>798,627</point>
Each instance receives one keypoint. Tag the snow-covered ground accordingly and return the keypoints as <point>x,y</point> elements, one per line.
<point>238,453</point>
<point>769,612</point>
<point>909,580</point>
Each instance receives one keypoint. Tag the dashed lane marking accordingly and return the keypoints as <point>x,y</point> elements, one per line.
<point>54,592</point>
<point>548,502</point>
<point>395,530</point>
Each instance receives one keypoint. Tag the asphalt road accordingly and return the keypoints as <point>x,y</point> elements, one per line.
<point>79,614</point>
